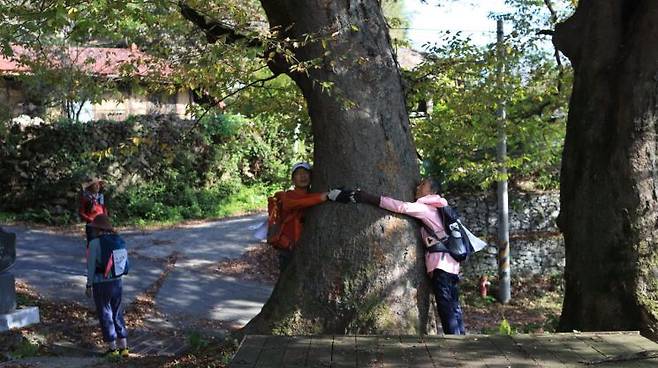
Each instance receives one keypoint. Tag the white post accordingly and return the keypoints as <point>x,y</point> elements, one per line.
<point>504,291</point>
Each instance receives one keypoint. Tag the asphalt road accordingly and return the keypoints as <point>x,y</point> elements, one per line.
<point>54,265</point>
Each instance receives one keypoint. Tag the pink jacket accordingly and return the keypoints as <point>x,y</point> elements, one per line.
<point>424,209</point>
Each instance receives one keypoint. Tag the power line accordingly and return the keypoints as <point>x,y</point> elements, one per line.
<point>443,30</point>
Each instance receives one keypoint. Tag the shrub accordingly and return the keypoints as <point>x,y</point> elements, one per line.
<point>157,168</point>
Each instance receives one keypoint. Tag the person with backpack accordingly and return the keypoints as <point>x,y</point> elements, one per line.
<point>92,203</point>
<point>440,265</point>
<point>286,211</point>
<point>106,264</point>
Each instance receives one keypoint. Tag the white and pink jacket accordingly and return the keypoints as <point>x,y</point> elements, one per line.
<point>424,209</point>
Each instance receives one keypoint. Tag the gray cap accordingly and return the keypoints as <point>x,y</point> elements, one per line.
<point>300,165</point>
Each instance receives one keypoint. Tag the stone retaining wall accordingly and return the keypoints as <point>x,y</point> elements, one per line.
<point>536,246</point>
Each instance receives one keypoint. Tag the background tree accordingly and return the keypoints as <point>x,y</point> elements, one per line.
<point>609,205</point>
<point>457,137</point>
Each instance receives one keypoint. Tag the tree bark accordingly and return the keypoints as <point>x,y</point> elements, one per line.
<point>609,201</point>
<point>357,269</point>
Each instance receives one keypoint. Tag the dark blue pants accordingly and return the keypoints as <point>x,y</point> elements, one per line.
<point>446,292</point>
<point>285,256</point>
<point>107,296</point>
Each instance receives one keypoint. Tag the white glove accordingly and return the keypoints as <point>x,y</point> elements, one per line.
<point>333,194</point>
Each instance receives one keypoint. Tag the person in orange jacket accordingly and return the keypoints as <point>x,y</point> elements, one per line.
<point>92,204</point>
<point>294,202</point>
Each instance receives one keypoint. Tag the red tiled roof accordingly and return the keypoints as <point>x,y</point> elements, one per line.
<point>100,61</point>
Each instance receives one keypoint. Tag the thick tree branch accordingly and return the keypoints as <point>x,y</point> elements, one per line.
<point>215,30</point>
<point>535,111</point>
<point>568,37</point>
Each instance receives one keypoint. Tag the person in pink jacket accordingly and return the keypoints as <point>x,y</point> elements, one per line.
<point>440,266</point>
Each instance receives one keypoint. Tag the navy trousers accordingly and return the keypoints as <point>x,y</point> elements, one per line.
<point>446,292</point>
<point>285,256</point>
<point>107,296</point>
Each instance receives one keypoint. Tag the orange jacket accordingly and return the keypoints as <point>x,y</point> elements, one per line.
<point>91,205</point>
<point>294,202</point>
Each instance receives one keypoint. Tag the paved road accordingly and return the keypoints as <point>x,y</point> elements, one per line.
<point>54,265</point>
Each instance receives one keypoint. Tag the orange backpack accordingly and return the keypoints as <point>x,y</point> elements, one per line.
<point>276,222</point>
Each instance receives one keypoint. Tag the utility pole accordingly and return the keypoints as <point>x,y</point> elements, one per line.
<point>504,291</point>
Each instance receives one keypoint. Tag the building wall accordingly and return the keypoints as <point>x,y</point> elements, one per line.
<point>113,107</point>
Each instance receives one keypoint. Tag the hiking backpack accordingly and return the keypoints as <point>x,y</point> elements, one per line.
<point>276,222</point>
<point>456,242</point>
<point>114,256</point>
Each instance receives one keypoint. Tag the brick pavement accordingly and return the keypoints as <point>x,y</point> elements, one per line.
<point>144,342</point>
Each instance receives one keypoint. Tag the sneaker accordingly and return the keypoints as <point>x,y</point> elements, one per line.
<point>125,353</point>
<point>112,354</point>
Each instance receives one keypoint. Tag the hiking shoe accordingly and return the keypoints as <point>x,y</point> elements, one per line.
<point>112,354</point>
<point>125,353</point>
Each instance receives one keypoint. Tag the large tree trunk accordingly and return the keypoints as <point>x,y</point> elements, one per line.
<point>609,204</point>
<point>358,269</point>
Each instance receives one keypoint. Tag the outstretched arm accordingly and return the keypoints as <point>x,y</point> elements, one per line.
<point>295,201</point>
<point>361,196</point>
<point>413,209</point>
